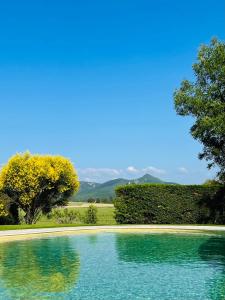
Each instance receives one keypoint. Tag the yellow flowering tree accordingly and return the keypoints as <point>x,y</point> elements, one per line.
<point>3,206</point>
<point>37,183</point>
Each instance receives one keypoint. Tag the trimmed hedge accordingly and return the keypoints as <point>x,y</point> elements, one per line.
<point>169,204</point>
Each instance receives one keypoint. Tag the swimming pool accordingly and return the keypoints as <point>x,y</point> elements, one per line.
<point>115,266</point>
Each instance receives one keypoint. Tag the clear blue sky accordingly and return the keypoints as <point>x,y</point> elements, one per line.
<point>93,80</point>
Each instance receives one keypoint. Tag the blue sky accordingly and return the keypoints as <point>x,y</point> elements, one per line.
<point>93,80</point>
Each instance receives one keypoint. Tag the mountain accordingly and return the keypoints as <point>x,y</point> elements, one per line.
<point>106,189</point>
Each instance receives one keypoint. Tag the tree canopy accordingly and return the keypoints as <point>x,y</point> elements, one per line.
<point>4,206</point>
<point>36,183</point>
<point>204,99</point>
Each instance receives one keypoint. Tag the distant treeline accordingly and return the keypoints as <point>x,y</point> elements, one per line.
<point>100,200</point>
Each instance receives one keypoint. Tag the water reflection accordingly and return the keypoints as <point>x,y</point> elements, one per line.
<point>36,268</point>
<point>213,252</point>
<point>146,248</point>
<point>201,252</point>
<point>114,266</point>
<point>93,239</point>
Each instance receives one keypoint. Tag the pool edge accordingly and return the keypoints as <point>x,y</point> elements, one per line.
<point>26,234</point>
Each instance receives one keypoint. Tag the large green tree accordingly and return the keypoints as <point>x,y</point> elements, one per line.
<point>204,99</point>
<point>36,183</point>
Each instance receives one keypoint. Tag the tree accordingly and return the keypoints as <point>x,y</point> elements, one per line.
<point>91,215</point>
<point>4,203</point>
<point>37,183</point>
<point>8,211</point>
<point>4,209</point>
<point>211,182</point>
<point>204,99</point>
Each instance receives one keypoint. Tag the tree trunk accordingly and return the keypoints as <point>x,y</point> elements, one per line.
<point>28,218</point>
<point>32,215</point>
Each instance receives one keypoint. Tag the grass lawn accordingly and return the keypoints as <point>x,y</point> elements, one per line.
<point>105,217</point>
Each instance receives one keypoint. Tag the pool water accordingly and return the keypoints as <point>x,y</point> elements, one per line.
<point>114,266</point>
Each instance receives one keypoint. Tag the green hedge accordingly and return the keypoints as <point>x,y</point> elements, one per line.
<point>169,204</point>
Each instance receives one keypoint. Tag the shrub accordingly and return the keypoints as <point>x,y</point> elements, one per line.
<point>169,204</point>
<point>4,205</point>
<point>65,216</point>
<point>91,215</point>
<point>5,213</point>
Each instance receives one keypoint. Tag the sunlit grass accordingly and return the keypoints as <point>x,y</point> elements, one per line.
<point>105,217</point>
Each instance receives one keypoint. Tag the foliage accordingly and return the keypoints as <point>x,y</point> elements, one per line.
<point>21,216</point>
<point>204,100</point>
<point>65,216</point>
<point>93,200</point>
<point>211,182</point>
<point>4,205</point>
<point>36,183</point>
<point>7,215</point>
<point>105,217</point>
<point>169,204</point>
<point>100,200</point>
<point>91,215</point>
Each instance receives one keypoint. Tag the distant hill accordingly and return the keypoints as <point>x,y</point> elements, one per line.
<point>106,189</point>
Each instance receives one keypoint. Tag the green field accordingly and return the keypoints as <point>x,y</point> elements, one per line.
<point>105,217</point>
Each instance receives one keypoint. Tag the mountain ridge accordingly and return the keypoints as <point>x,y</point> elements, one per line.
<point>106,190</point>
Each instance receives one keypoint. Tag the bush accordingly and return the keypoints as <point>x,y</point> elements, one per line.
<point>91,215</point>
<point>65,216</point>
<point>5,213</point>
<point>169,204</point>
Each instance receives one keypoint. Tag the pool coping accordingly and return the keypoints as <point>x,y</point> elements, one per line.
<point>21,234</point>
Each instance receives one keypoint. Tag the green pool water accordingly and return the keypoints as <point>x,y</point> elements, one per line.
<point>114,266</point>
